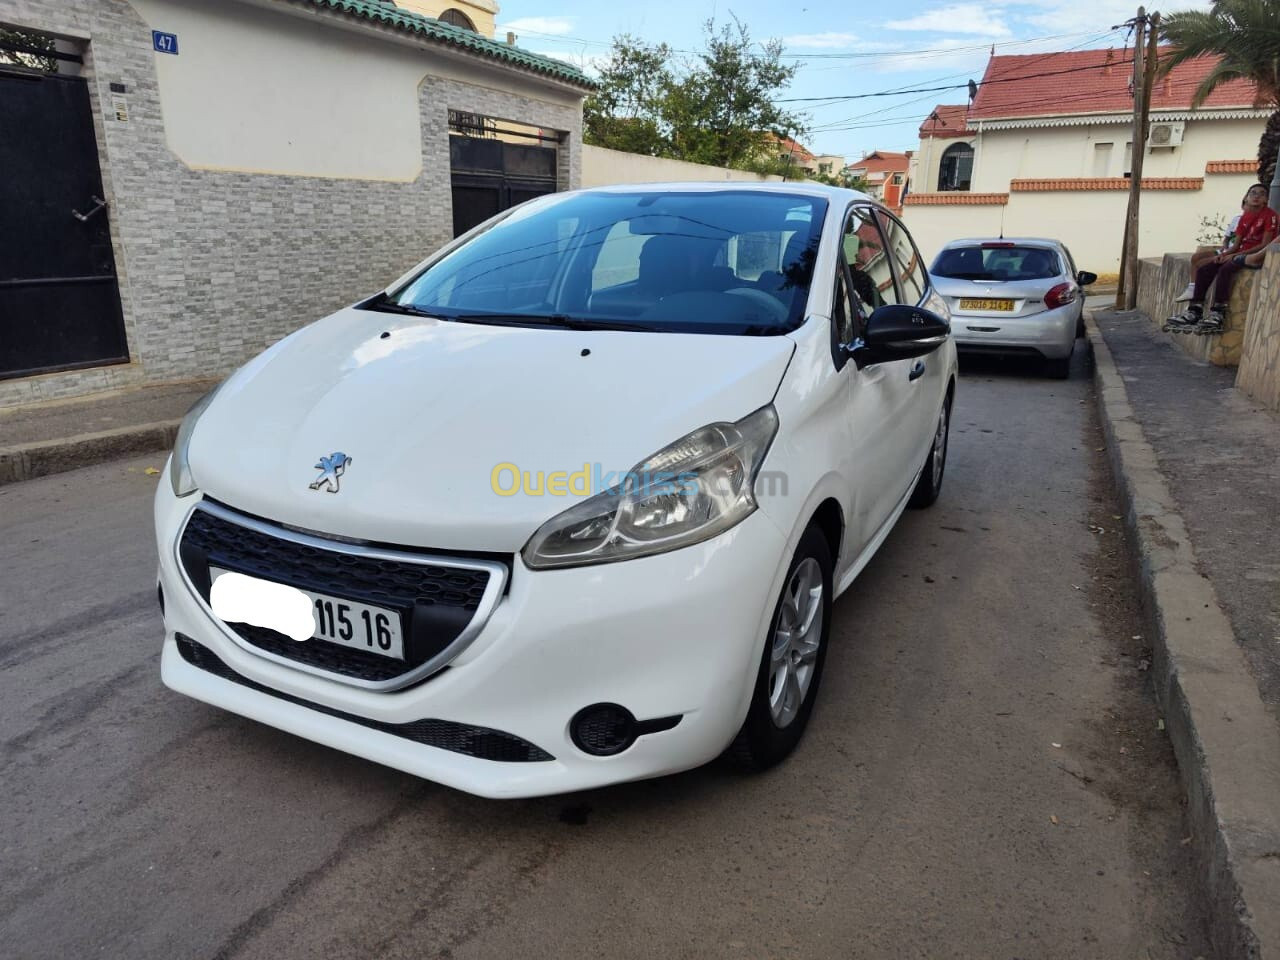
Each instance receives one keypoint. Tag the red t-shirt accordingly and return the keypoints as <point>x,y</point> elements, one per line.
<point>1255,226</point>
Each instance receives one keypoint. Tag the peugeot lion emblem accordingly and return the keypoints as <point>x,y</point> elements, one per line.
<point>331,469</point>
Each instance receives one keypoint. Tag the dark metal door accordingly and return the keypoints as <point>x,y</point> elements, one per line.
<point>59,300</point>
<point>491,175</point>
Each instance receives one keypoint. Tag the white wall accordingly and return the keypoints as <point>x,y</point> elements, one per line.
<point>1004,155</point>
<point>1090,223</point>
<point>602,167</point>
<point>262,91</point>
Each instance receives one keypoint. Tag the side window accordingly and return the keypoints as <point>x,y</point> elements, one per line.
<point>906,258</point>
<point>867,255</point>
<point>842,313</point>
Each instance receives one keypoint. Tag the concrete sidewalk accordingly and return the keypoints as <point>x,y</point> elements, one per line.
<point>1198,467</point>
<point>44,438</point>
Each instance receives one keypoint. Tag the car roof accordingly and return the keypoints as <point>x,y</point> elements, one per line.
<point>1012,241</point>
<point>802,188</point>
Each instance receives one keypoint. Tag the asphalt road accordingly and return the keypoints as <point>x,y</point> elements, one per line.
<point>984,775</point>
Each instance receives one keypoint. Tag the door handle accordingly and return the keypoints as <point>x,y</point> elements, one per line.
<point>98,206</point>
<point>917,370</point>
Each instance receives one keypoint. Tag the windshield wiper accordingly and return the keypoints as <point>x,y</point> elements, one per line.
<point>560,320</point>
<point>384,304</point>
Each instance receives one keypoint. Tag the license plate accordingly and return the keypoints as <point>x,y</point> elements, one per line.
<point>969,304</point>
<point>348,623</point>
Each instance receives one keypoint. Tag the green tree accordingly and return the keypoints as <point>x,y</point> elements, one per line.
<point>716,107</point>
<point>34,41</point>
<point>626,110</point>
<point>1245,37</point>
<point>722,109</point>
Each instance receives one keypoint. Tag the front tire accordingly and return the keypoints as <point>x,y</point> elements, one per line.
<point>791,665</point>
<point>930,483</point>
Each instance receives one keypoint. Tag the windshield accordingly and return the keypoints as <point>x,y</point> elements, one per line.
<point>732,262</point>
<point>997,262</point>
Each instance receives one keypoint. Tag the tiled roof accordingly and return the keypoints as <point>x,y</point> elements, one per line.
<point>388,14</point>
<point>796,150</point>
<point>1104,183</point>
<point>882,162</point>
<point>1091,81</point>
<point>956,198</point>
<point>950,122</point>
<point>1231,166</point>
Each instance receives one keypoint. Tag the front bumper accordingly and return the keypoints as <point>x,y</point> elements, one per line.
<point>1051,334</point>
<point>674,634</point>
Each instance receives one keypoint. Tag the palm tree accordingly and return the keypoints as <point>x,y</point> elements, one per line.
<point>1245,37</point>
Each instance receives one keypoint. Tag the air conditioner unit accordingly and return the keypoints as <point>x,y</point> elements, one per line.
<point>1168,134</point>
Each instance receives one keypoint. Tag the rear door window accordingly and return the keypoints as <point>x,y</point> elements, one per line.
<point>906,258</point>
<point>997,261</point>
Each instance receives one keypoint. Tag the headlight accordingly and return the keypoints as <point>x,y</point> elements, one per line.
<point>184,484</point>
<point>696,488</point>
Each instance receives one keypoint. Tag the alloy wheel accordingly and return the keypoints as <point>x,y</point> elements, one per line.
<point>797,638</point>
<point>940,447</point>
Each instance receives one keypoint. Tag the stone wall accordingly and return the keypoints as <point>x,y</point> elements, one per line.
<point>216,265</point>
<point>1259,373</point>
<point>1160,281</point>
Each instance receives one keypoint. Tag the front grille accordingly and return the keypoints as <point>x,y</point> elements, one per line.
<point>436,601</point>
<point>483,743</point>
<point>344,661</point>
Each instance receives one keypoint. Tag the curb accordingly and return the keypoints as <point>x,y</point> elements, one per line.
<point>1226,743</point>
<point>56,456</point>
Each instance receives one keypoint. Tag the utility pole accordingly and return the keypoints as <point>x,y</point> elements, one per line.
<point>1144,64</point>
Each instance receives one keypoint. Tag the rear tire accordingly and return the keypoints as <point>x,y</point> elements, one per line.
<point>930,483</point>
<point>791,664</point>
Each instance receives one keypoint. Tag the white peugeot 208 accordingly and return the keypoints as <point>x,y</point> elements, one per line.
<point>568,503</point>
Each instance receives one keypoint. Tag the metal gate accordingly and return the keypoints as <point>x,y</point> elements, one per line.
<point>490,175</point>
<point>59,300</point>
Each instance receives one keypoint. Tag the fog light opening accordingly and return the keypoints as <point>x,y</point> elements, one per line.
<point>603,729</point>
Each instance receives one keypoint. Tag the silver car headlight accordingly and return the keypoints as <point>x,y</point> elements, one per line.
<point>688,492</point>
<point>184,484</point>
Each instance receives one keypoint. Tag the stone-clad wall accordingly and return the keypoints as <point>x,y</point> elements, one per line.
<point>213,265</point>
<point>1259,373</point>
<point>1160,281</point>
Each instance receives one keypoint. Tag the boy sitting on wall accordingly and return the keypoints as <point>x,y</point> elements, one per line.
<point>1259,226</point>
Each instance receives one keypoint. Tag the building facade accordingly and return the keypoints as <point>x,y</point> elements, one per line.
<point>243,168</point>
<point>887,174</point>
<point>1046,148</point>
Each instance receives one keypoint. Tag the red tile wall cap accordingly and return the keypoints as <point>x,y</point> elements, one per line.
<point>956,198</point>
<point>1072,184</point>
<point>1231,166</point>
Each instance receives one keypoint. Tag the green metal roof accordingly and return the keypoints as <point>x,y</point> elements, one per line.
<point>414,23</point>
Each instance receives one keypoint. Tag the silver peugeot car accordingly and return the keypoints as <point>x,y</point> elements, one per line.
<point>1014,296</point>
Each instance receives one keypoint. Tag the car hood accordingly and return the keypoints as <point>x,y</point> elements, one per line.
<point>427,409</point>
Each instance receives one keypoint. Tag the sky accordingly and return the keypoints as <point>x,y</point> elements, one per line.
<point>844,49</point>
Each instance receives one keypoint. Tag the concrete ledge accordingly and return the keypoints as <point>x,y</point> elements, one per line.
<point>1227,744</point>
<point>56,456</point>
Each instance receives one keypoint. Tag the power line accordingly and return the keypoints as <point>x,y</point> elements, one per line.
<point>954,86</point>
<point>868,55</point>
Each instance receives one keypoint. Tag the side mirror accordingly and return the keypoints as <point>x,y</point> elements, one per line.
<point>897,331</point>
<point>1084,278</point>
